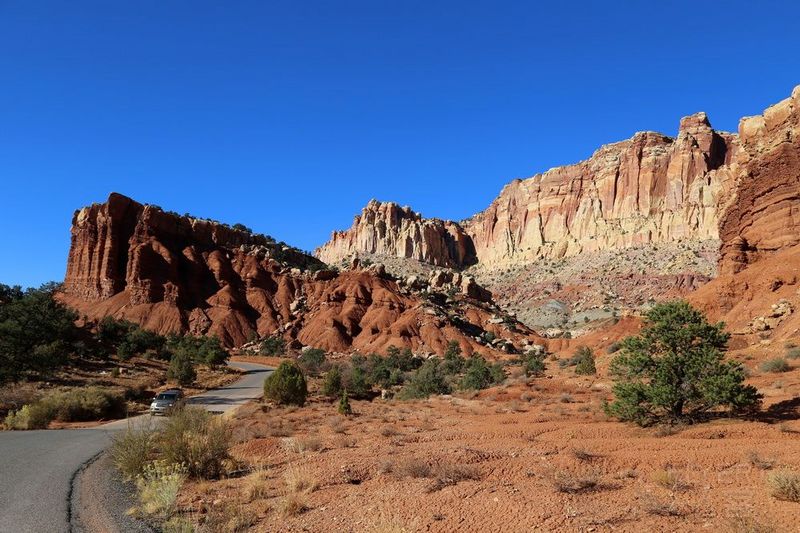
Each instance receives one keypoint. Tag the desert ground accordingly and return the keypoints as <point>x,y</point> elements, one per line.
<point>534,454</point>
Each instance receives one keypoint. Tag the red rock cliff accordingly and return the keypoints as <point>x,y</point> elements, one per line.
<point>181,274</point>
<point>764,217</point>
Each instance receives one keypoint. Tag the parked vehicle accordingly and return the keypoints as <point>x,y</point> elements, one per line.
<point>166,401</point>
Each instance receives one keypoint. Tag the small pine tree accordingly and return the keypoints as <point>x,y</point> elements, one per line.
<point>453,362</point>
<point>286,385</point>
<point>344,404</point>
<point>584,362</point>
<point>675,369</point>
<point>533,364</point>
<point>332,384</point>
<point>181,368</point>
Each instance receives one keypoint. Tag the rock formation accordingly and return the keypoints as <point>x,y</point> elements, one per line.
<point>388,229</point>
<point>764,216</point>
<point>175,274</point>
<point>648,189</point>
<point>757,289</point>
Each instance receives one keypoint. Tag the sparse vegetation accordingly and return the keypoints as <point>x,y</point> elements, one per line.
<point>75,405</point>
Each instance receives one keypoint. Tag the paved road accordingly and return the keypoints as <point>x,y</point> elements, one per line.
<point>37,467</point>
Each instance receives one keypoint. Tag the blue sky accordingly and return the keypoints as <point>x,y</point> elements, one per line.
<point>289,116</point>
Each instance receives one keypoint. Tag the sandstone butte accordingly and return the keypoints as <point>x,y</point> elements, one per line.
<point>177,274</point>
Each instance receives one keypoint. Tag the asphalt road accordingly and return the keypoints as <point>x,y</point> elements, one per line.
<point>37,467</point>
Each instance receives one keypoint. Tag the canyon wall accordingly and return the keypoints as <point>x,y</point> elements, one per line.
<point>648,189</point>
<point>764,216</point>
<point>178,274</point>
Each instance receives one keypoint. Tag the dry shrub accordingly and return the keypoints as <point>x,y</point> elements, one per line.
<point>299,480</point>
<point>760,462</point>
<point>195,438</point>
<point>584,455</point>
<point>574,482</point>
<point>414,468</point>
<point>158,487</point>
<point>230,518</point>
<point>256,486</point>
<point>566,398</point>
<point>389,431</point>
<point>133,450</point>
<point>277,427</point>
<point>306,444</point>
<point>784,485</point>
<point>338,426</point>
<point>659,507</point>
<point>670,479</point>
<point>741,522</point>
<point>448,474</point>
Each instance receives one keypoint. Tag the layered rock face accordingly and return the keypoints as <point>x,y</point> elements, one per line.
<point>764,216</point>
<point>388,229</point>
<point>174,274</point>
<point>648,189</point>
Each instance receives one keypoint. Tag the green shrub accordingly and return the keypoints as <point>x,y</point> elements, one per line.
<point>286,385</point>
<point>793,353</point>
<point>355,381</point>
<point>196,439</point>
<point>427,380</point>
<point>498,373</point>
<point>201,350</point>
<point>584,362</point>
<point>402,360</point>
<point>274,345</point>
<point>344,404</point>
<point>132,451</point>
<point>479,374</point>
<point>332,384</point>
<point>675,369</point>
<point>311,361</point>
<point>453,362</point>
<point>533,364</point>
<point>181,368</point>
<point>776,365</point>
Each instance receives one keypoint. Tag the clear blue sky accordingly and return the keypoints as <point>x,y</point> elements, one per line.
<point>289,116</point>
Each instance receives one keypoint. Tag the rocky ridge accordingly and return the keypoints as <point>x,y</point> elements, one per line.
<point>385,228</point>
<point>177,274</point>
